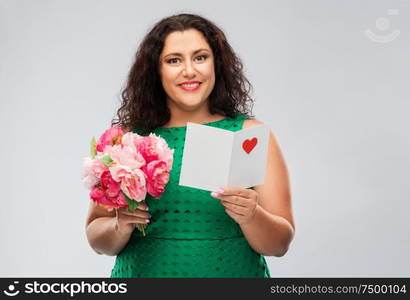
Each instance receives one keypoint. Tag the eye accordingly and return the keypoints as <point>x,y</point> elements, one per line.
<point>204,56</point>
<point>171,60</point>
<point>175,60</point>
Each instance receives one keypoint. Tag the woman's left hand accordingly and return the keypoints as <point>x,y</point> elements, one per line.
<point>240,204</point>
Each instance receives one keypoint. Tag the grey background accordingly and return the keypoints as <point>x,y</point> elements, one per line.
<point>336,100</point>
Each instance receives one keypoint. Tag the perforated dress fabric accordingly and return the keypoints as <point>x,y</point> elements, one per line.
<point>190,234</point>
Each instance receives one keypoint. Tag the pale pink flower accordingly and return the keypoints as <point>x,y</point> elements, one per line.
<point>155,148</point>
<point>91,173</point>
<point>133,182</point>
<point>131,140</point>
<point>126,153</point>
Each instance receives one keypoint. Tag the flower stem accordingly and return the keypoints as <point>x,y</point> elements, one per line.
<point>141,227</point>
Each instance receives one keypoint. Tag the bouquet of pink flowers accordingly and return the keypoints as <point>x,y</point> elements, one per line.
<point>123,168</point>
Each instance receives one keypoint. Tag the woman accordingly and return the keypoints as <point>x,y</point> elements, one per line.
<point>185,70</point>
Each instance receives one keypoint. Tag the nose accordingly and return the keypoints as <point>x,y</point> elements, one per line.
<point>189,70</point>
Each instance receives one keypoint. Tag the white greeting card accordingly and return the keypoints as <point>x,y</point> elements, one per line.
<point>215,157</point>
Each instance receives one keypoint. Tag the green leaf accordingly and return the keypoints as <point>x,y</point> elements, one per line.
<point>93,152</point>
<point>107,160</point>
<point>132,204</point>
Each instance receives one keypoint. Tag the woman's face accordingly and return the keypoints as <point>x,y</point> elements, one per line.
<point>187,57</point>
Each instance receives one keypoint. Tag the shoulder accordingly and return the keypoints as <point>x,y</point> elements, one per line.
<point>251,122</point>
<point>273,141</point>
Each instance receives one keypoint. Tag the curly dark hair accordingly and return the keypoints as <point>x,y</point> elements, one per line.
<point>144,99</point>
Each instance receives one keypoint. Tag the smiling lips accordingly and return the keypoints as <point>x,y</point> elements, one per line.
<point>190,85</point>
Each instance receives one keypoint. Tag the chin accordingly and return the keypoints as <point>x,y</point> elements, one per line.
<point>191,106</point>
<point>187,101</point>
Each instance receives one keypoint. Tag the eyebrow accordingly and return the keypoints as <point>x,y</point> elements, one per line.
<point>179,54</point>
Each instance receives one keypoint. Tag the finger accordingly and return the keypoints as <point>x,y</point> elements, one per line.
<point>137,213</point>
<point>235,209</point>
<point>232,214</point>
<point>133,219</point>
<point>230,191</point>
<point>235,200</point>
<point>142,206</point>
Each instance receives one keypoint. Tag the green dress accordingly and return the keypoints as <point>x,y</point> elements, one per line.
<point>190,234</point>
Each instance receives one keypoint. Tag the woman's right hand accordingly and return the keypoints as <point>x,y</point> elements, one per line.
<point>126,219</point>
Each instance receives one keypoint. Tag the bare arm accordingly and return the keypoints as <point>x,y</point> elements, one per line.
<point>273,227</point>
<point>101,231</point>
<point>107,233</point>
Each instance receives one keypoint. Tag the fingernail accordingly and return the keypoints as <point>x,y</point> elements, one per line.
<point>147,208</point>
<point>146,220</point>
<point>214,194</point>
<point>220,191</point>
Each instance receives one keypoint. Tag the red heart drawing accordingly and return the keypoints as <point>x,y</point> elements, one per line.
<point>248,145</point>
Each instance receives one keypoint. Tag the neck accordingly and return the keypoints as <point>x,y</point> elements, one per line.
<point>181,117</point>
